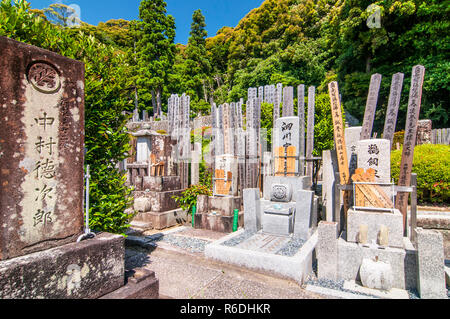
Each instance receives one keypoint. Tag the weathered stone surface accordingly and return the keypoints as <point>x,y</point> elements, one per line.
<point>202,204</point>
<point>330,167</point>
<point>402,261</point>
<point>85,270</point>
<point>142,204</point>
<point>141,285</point>
<point>160,201</point>
<point>376,275</point>
<point>371,106</point>
<point>424,130</point>
<point>375,154</point>
<point>252,210</point>
<point>430,247</point>
<point>281,193</point>
<point>217,223</point>
<point>162,220</point>
<point>278,221</point>
<point>310,130</point>
<point>304,202</point>
<point>393,105</point>
<point>42,149</point>
<point>296,183</point>
<point>327,251</point>
<point>393,222</point>
<point>161,183</point>
<point>352,135</point>
<point>414,104</point>
<point>224,205</point>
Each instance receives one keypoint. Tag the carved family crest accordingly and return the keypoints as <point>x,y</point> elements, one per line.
<point>44,78</point>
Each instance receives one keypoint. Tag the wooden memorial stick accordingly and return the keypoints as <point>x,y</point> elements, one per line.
<point>279,161</point>
<point>220,183</point>
<point>227,187</point>
<point>359,196</point>
<point>339,138</point>
<point>152,163</point>
<point>290,161</point>
<point>372,195</point>
<point>415,100</point>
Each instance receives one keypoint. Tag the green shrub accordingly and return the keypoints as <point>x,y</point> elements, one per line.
<point>188,198</point>
<point>432,166</point>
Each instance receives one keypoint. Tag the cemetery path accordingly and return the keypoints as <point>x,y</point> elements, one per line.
<point>186,274</point>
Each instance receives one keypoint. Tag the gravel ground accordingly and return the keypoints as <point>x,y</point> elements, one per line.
<point>239,239</point>
<point>191,244</point>
<point>291,248</point>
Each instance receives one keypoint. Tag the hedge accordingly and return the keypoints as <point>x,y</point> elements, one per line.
<point>432,166</point>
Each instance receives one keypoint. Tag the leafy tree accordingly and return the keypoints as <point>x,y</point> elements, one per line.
<point>154,36</point>
<point>197,67</point>
<point>62,15</point>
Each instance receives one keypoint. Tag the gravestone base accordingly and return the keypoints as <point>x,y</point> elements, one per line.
<point>160,201</point>
<point>141,285</point>
<point>156,205</point>
<point>163,220</point>
<point>260,252</point>
<point>339,259</point>
<point>86,270</point>
<point>393,222</point>
<point>277,218</point>
<point>217,213</point>
<point>217,223</point>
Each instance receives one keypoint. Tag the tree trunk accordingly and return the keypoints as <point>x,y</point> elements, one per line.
<point>154,103</point>
<point>205,91</point>
<point>368,64</point>
<point>158,102</point>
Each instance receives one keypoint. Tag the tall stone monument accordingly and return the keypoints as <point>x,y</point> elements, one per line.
<point>42,149</point>
<point>42,254</point>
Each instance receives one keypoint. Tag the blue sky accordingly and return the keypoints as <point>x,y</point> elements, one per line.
<point>218,13</point>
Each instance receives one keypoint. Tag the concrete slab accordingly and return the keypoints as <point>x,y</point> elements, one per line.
<point>394,293</point>
<point>181,280</point>
<point>335,293</point>
<point>264,243</point>
<point>298,267</point>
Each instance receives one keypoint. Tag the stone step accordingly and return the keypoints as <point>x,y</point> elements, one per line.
<point>141,225</point>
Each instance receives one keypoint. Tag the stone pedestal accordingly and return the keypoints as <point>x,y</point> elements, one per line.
<point>156,205</point>
<point>217,213</point>
<point>430,246</point>
<point>374,221</point>
<point>278,218</point>
<point>85,270</point>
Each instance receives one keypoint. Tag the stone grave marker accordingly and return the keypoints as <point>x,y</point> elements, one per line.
<point>286,143</point>
<point>310,130</point>
<point>301,116</point>
<point>393,105</point>
<point>41,149</point>
<point>261,93</point>
<point>415,100</point>
<point>371,106</point>
<point>288,101</point>
<point>277,102</point>
<point>253,124</point>
<point>228,131</point>
<point>424,132</point>
<point>272,93</point>
<point>376,154</point>
<point>352,135</point>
